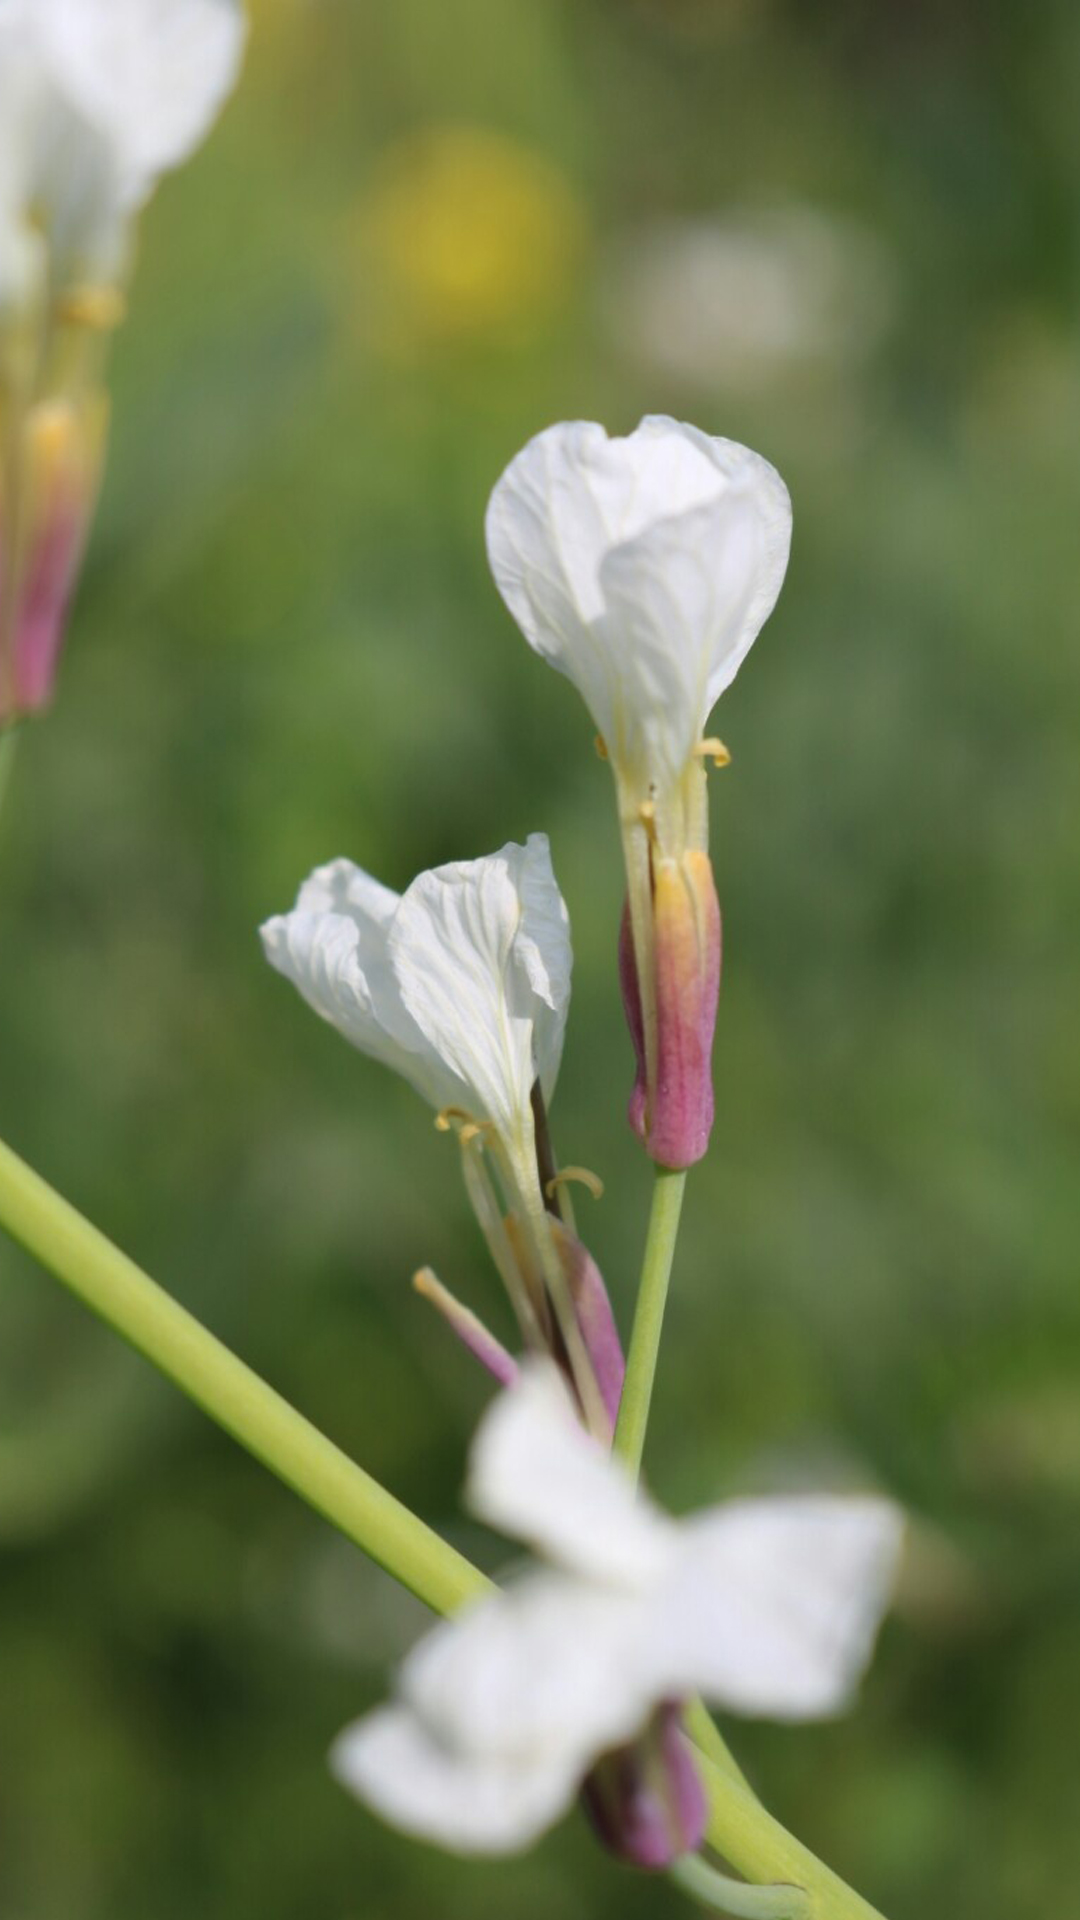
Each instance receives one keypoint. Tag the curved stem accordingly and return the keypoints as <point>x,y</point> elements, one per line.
<point>737,1898</point>
<point>649,1316</point>
<point>136,1308</point>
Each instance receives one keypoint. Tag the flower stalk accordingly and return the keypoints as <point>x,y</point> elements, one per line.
<point>668,1190</point>
<point>114,1288</point>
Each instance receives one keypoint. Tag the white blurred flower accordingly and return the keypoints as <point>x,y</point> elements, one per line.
<point>747,299</point>
<point>97,99</point>
<point>461,984</point>
<point>768,1607</point>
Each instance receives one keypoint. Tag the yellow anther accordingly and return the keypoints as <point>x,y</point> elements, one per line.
<point>714,750</point>
<point>580,1176</point>
<point>465,1124</point>
<point>647,817</point>
<point>601,746</point>
<point>100,308</point>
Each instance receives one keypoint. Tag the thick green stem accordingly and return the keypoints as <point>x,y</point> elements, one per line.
<point>649,1317</point>
<point>136,1308</point>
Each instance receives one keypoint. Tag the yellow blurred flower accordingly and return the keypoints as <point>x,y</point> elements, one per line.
<point>465,236</point>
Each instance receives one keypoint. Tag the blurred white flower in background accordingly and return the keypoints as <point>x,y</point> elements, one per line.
<point>746,299</point>
<point>98,98</point>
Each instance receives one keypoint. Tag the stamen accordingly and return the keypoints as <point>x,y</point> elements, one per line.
<point>581,1175</point>
<point>601,746</point>
<point>470,1330</point>
<point>714,750</point>
<point>450,1117</point>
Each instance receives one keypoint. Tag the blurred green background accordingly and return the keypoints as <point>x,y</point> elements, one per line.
<point>848,236</point>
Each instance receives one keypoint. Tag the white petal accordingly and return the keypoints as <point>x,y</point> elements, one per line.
<point>535,1473</point>
<point>643,568</point>
<point>480,951</point>
<point>552,1669</point>
<point>467,1804</point>
<point>544,953</point>
<point>150,74</point>
<point>773,1605</point>
<point>333,947</point>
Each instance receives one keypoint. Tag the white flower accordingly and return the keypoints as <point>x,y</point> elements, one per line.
<point>97,99</point>
<point>642,568</point>
<point>461,984</point>
<point>766,1606</point>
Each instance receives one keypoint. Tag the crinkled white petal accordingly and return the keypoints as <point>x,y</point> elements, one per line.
<point>552,1667</point>
<point>150,75</point>
<point>544,954</point>
<point>643,568</point>
<point>536,1474</point>
<point>461,984</point>
<point>333,947</point>
<point>771,1606</point>
<point>480,950</point>
<point>465,1803</point>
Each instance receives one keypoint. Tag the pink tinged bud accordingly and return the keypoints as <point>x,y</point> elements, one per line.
<point>673,1117</point>
<point>592,1309</point>
<point>470,1330</point>
<point>646,1801</point>
<point>42,537</point>
<point>594,1317</point>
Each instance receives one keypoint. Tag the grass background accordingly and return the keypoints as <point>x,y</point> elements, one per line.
<point>420,233</point>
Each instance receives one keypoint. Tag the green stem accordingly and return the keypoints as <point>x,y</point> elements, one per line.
<point>136,1308</point>
<point>649,1316</point>
<point>737,1898</point>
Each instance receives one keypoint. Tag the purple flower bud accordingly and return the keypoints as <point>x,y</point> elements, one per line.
<point>646,1801</point>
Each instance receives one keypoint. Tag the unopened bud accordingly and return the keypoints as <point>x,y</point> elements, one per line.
<point>671,1107</point>
<point>646,1801</point>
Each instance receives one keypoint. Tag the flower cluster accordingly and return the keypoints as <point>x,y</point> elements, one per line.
<point>643,569</point>
<point>98,98</point>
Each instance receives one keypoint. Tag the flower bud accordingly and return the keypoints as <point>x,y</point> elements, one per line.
<point>646,1801</point>
<point>671,1106</point>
